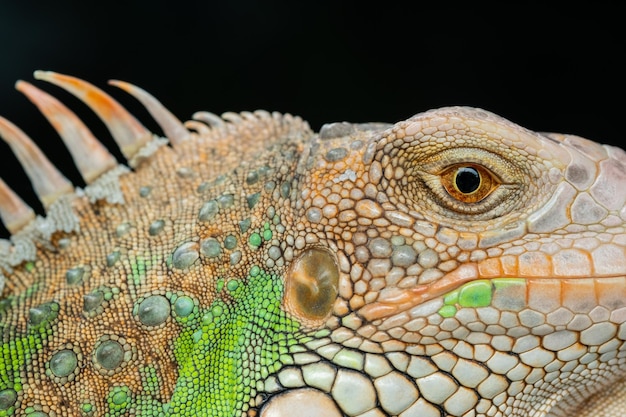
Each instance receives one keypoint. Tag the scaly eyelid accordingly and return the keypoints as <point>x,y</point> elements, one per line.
<point>500,168</point>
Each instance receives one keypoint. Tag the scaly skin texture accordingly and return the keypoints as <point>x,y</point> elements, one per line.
<point>260,269</point>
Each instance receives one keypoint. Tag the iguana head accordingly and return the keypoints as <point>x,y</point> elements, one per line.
<point>450,264</point>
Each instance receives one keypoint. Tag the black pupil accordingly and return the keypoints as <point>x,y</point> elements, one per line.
<point>467,180</point>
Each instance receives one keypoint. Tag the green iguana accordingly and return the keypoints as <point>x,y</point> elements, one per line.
<point>452,264</point>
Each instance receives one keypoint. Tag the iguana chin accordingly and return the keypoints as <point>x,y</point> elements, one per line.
<point>452,264</point>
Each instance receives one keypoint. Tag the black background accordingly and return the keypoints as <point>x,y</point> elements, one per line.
<point>544,67</point>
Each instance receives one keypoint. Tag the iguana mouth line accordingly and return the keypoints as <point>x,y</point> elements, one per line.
<point>397,300</point>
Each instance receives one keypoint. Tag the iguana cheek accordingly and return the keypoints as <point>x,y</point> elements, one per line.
<point>308,402</point>
<point>311,286</point>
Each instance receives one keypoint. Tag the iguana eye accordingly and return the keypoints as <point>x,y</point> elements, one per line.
<point>468,183</point>
<point>462,182</point>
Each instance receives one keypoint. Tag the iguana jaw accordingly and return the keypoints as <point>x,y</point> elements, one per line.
<point>395,300</point>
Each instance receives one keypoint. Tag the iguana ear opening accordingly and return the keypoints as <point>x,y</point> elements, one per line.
<point>311,286</point>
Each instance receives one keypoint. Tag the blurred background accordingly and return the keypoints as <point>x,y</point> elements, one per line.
<point>546,68</point>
